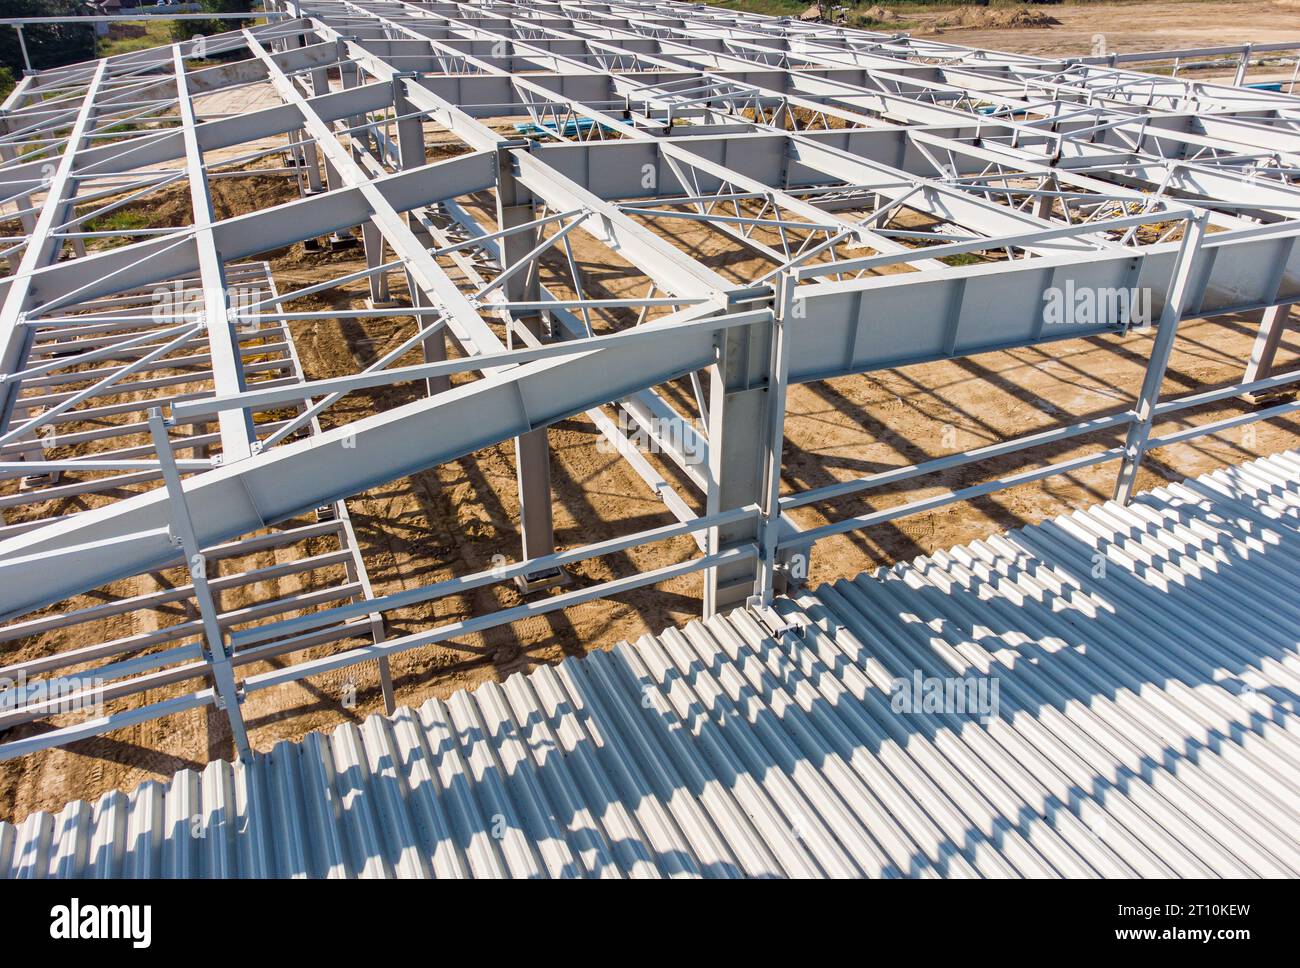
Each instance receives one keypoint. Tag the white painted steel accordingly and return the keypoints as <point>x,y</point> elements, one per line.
<point>1045,168</point>
<point>1147,726</point>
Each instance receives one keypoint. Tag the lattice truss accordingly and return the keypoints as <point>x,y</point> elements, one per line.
<point>911,200</point>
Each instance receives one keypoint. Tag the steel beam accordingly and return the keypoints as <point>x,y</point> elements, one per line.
<point>236,426</point>
<point>42,250</point>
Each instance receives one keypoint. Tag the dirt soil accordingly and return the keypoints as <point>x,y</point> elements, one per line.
<point>457,518</point>
<point>994,18</point>
<point>1082,28</point>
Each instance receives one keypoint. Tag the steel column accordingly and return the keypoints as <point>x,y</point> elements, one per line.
<point>532,450</point>
<point>1264,351</point>
<point>1144,411</point>
<point>738,406</point>
<point>182,528</point>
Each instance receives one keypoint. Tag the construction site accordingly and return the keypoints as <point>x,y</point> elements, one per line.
<point>585,439</point>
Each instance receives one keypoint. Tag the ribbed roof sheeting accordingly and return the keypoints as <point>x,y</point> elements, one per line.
<point>1148,677</point>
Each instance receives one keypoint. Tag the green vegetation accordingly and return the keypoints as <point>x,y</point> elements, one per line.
<point>157,33</point>
<point>121,220</point>
<point>772,8</point>
<point>123,127</point>
<point>49,45</point>
<point>7,82</point>
<point>962,259</point>
<point>854,14</point>
<point>53,45</point>
<point>858,18</point>
<point>185,29</point>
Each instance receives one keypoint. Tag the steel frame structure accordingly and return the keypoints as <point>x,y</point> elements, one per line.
<point>802,144</point>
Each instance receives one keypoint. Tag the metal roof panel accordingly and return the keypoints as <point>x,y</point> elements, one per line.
<point>1146,660</point>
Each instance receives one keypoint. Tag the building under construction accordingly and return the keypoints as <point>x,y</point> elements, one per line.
<point>660,220</point>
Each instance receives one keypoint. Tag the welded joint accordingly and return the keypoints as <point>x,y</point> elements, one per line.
<point>504,148</point>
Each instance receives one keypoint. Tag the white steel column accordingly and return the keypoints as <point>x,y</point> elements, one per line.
<point>738,410</point>
<point>532,450</point>
<point>1167,330</point>
<point>778,377</point>
<point>1264,351</point>
<point>182,529</point>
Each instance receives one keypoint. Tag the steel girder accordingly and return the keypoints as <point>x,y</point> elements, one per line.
<point>679,89</point>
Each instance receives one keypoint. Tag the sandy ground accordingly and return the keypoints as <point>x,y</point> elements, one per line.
<point>1135,26</point>
<point>455,518</point>
<point>1109,27</point>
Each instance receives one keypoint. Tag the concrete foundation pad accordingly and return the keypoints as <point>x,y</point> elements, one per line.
<point>542,580</point>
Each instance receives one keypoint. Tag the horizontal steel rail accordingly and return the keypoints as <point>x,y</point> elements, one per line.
<point>263,642</point>
<point>773,135</point>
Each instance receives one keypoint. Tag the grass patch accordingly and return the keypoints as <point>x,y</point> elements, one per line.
<point>124,127</point>
<point>770,8</point>
<point>157,33</point>
<point>854,14</point>
<point>122,220</point>
<point>963,259</point>
<point>856,18</point>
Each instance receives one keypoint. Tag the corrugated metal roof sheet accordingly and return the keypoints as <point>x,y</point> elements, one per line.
<point>1148,675</point>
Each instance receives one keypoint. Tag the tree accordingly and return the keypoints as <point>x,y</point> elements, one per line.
<point>185,29</point>
<point>48,45</point>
